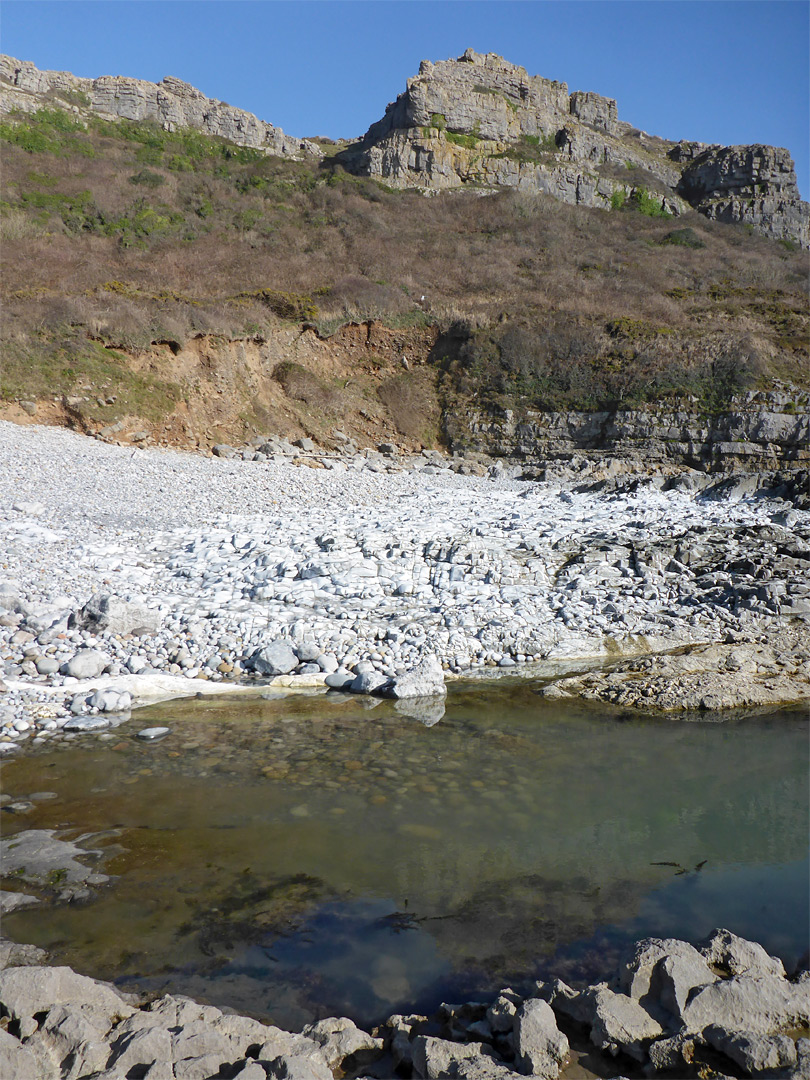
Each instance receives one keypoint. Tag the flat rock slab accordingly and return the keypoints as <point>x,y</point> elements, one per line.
<point>755,1006</point>
<point>40,857</point>
<point>14,901</point>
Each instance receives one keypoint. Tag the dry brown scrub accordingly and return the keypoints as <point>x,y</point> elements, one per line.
<point>89,252</point>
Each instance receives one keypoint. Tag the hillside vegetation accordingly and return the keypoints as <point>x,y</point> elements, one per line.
<point>118,236</point>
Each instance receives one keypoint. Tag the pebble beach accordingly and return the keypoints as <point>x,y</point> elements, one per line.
<point>131,574</point>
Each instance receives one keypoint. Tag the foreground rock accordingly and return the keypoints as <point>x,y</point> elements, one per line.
<point>64,1026</point>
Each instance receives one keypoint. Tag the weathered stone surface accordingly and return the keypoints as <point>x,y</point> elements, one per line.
<point>87,664</point>
<point>621,1024</point>
<point>111,613</point>
<point>13,901</point>
<point>740,957</point>
<point>755,1006</point>
<point>578,1005</point>
<point>425,680</point>
<point>541,1048</point>
<point>753,184</point>
<point>20,1062</point>
<point>435,1059</point>
<point>675,1052</point>
<point>480,120</point>
<point>277,658</point>
<point>754,1053</point>
<point>25,991</point>
<point>339,1038</point>
<point>14,955</point>
<point>662,972</point>
<point>171,103</point>
<point>501,1014</point>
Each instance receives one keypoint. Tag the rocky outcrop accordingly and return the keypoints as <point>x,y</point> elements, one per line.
<point>760,430</point>
<point>707,677</point>
<point>681,1018</point>
<point>480,121</point>
<point>170,103</point>
<point>754,185</point>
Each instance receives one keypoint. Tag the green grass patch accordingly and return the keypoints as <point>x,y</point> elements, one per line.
<point>46,368</point>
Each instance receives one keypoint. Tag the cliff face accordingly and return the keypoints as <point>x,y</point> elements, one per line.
<point>759,431</point>
<point>170,103</point>
<point>481,121</point>
<point>477,122</point>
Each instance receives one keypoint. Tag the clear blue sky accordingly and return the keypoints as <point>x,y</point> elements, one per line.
<point>733,71</point>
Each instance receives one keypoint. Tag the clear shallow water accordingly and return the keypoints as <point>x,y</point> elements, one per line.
<point>314,856</point>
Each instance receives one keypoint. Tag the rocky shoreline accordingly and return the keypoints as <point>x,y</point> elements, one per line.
<point>133,575</point>
<point>725,1008</point>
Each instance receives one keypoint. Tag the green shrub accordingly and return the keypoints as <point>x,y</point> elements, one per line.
<point>683,238</point>
<point>618,199</point>
<point>438,121</point>
<point>648,204</point>
<point>469,142</point>
<point>148,178</point>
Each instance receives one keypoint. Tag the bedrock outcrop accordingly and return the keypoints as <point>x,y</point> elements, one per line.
<point>171,103</point>
<point>758,431</point>
<point>483,122</point>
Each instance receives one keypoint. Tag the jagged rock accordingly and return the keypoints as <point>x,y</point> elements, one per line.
<point>755,1006</point>
<point>25,991</point>
<point>339,1038</point>
<point>14,955</point>
<point>434,1059</point>
<point>400,1043</point>
<point>753,184</point>
<point>578,1005</point>
<point>740,957</point>
<point>479,119</point>
<point>170,103</point>
<point>540,1047</point>
<point>661,974</point>
<point>754,1053</point>
<point>621,1024</point>
<point>111,613</point>
<point>21,1062</point>
<point>501,1013</point>
<point>277,658</point>
<point>425,680</point>
<point>675,1052</point>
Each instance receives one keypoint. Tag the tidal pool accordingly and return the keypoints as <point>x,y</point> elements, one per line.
<point>325,855</point>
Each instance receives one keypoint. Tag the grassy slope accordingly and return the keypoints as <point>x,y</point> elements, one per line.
<point>116,236</point>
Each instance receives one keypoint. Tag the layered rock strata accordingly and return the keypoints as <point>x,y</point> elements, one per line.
<point>760,430</point>
<point>170,103</point>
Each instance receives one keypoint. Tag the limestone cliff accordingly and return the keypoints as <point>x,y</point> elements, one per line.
<point>481,121</point>
<point>476,122</point>
<point>171,103</point>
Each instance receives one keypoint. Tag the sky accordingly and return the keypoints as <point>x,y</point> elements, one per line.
<point>724,71</point>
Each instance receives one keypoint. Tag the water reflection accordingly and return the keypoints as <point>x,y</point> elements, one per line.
<point>311,857</point>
